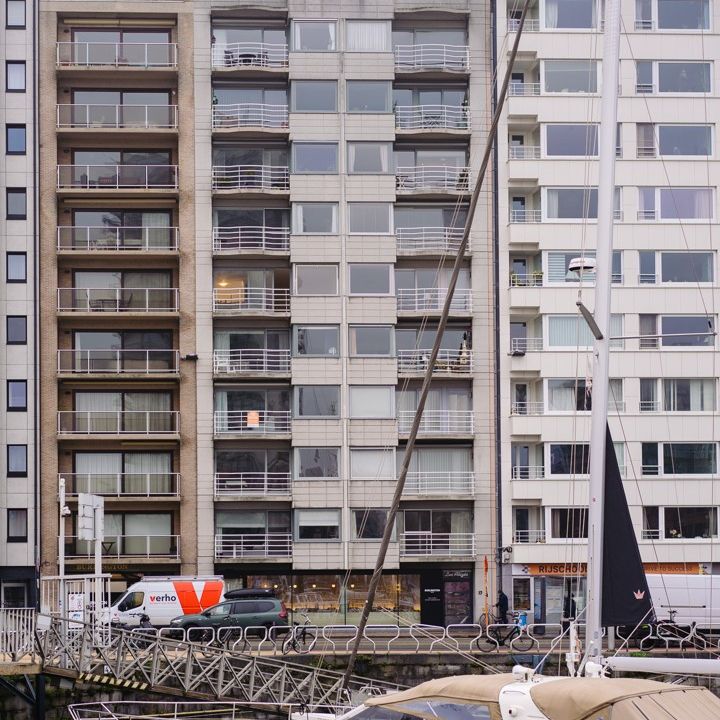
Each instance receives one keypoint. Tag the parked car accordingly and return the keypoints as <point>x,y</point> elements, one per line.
<point>263,612</point>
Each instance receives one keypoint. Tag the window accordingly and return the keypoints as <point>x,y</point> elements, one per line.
<point>317,524</point>
<point>683,14</point>
<point>16,267</point>
<point>569,459</point>
<point>367,36</point>
<point>317,401</point>
<point>16,203</point>
<point>571,140</point>
<point>17,460</point>
<point>569,523</point>
<point>14,76</point>
<point>368,157</point>
<point>571,203</point>
<point>315,218</point>
<point>369,524</point>
<point>314,96</point>
<point>315,157</point>
<point>17,395</point>
<point>688,395</point>
<point>687,266</point>
<point>369,218</point>
<point>569,331</point>
<point>370,279</point>
<point>685,139</point>
<point>558,267</point>
<point>689,458</point>
<point>683,77</point>
<point>686,203</point>
<point>570,14</point>
<point>570,76</point>
<point>690,522</point>
<point>317,462</point>
<point>372,401</point>
<point>568,394</point>
<point>369,96</point>
<point>316,280</point>
<point>17,525</point>
<point>674,327</point>
<point>15,13</point>
<point>315,36</point>
<point>15,140</point>
<point>372,464</point>
<point>16,330</point>
<point>317,340</point>
<point>372,341</point>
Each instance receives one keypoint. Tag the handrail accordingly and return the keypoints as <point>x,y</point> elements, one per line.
<point>526,344</point>
<point>531,279</point>
<point>251,545</point>
<point>432,117</point>
<point>109,54</point>
<point>525,216</point>
<point>252,422</point>
<point>251,361</point>
<point>420,543</point>
<point>143,362</point>
<point>438,422</point>
<point>118,422</point>
<point>273,301</point>
<point>252,483</point>
<point>122,484</point>
<point>116,177</point>
<point>432,56</point>
<point>149,300</point>
<point>452,362</point>
<point>240,115</point>
<point>118,546</point>
<point>530,25</point>
<point>527,408</point>
<point>528,536</point>
<point>524,89</point>
<point>105,237</point>
<point>251,237</point>
<point>250,177</point>
<point>85,115</point>
<point>440,483</point>
<point>415,178</point>
<point>428,239</point>
<point>250,54</point>
<point>524,152</point>
<point>528,472</point>
<point>432,299</point>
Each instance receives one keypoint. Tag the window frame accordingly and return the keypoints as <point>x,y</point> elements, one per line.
<point>7,330</point>
<point>309,478</point>
<point>354,143</point>
<point>8,65</point>
<point>388,34</point>
<point>391,280</point>
<point>392,412</point>
<point>304,143</point>
<point>657,127</point>
<point>19,408</point>
<point>316,21</point>
<point>295,84</point>
<point>8,26</point>
<point>297,514</point>
<point>296,402</point>
<point>16,280</point>
<point>656,77</point>
<point>15,126</point>
<point>354,354</point>
<point>388,97</point>
<point>367,510</point>
<point>17,538</point>
<point>390,210</point>
<point>12,191</point>
<point>297,354</point>
<point>299,266</point>
<point>15,473</point>
<point>295,219</point>
<point>598,77</point>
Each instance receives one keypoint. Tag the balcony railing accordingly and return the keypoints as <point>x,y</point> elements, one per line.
<point>435,56</point>
<point>252,422</point>
<point>250,177</point>
<point>521,345</point>
<point>531,279</point>
<point>432,178</point>
<point>647,278</point>
<point>650,534</point>
<point>122,484</point>
<point>428,239</point>
<point>251,362</point>
<point>644,25</point>
<point>524,152</point>
<point>527,408</point>
<point>117,177</point>
<point>649,343</point>
<point>528,536</point>
<point>116,116</point>
<point>438,422</point>
<point>267,301</point>
<point>440,483</point>
<point>421,300</point>
<point>524,89</point>
<point>525,216</point>
<point>140,362</point>
<point>644,88</point>
<point>251,237</point>
<point>250,55</point>
<point>646,151</point>
<point>252,483</point>
<point>108,54</point>
<point>432,117</point>
<point>528,472</point>
<point>118,422</point>
<point>450,362</point>
<point>147,300</point>
<point>650,406</point>
<point>530,25</point>
<point>646,215</point>
<point>145,238</point>
<point>121,546</point>
<point>253,545</point>
<point>419,543</point>
<point>255,115</point>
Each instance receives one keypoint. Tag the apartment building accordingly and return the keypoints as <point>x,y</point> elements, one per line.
<point>663,380</point>
<point>250,212</point>
<point>18,493</point>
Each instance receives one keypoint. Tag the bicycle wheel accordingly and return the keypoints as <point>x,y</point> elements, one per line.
<point>486,644</point>
<point>305,640</point>
<point>289,643</point>
<point>522,642</point>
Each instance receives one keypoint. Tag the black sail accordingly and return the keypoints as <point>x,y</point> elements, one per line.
<point>625,595</point>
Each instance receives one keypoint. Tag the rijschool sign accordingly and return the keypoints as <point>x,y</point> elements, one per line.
<point>570,569</point>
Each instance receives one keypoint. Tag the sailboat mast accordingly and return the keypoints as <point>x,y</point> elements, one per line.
<point>607,142</point>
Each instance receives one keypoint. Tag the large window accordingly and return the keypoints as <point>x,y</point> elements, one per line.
<point>683,77</point>
<point>127,473</point>
<point>689,458</point>
<point>686,203</point>
<point>690,522</point>
<point>318,401</point>
<point>369,218</point>
<point>571,331</point>
<point>315,218</point>
<point>317,462</point>
<point>316,279</point>
<point>570,140</point>
<point>17,525</point>
<point>369,524</point>
<point>569,458</point>
<point>369,157</point>
<point>372,464</point>
<point>317,524</point>
<point>684,139</point>
<point>370,279</point>
<point>314,96</point>
<point>369,96</point>
<point>570,14</point>
<point>371,341</point>
<point>372,401</point>
<point>558,267</point>
<point>314,36</point>
<point>16,267</point>
<point>367,36</point>
<point>319,158</point>
<point>569,523</point>
<point>316,341</point>
<point>570,76</point>
<point>571,203</point>
<point>674,328</point>
<point>689,395</point>
<point>683,14</point>
<point>687,266</point>
<point>17,395</point>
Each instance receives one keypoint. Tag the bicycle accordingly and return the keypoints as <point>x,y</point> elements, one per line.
<point>494,636</point>
<point>300,638</point>
<point>668,631</point>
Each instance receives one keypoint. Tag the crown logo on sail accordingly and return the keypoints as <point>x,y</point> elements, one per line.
<point>639,594</point>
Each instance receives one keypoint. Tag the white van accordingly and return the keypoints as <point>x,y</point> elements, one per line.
<point>695,598</point>
<point>164,598</point>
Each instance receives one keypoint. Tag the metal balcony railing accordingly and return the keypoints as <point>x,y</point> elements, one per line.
<point>524,152</point>
<point>120,546</point>
<point>122,484</point>
<point>250,55</point>
<point>527,408</point>
<point>432,178</point>
<point>252,483</point>
<point>650,406</point>
<point>450,362</point>
<point>251,237</point>
<point>432,117</point>
<point>646,151</point>
<point>525,216</point>
<point>412,240</point>
<point>648,469</point>
<point>251,361</point>
<point>116,116</point>
<point>438,422</point>
<point>257,115</point>
<point>531,279</point>
<point>147,300</point>
<point>141,362</point>
<point>252,545</point>
<point>421,300</point>
<point>524,89</point>
<point>250,177</point>
<point>528,536</point>
<point>118,422</point>
<point>268,301</point>
<point>647,278</point>
<point>432,56</point>
<point>440,483</point>
<point>646,214</point>
<point>117,177</point>
<point>521,345</point>
<point>649,343</point>
<point>530,25</point>
<point>252,422</point>
<point>528,472</point>
<point>650,534</point>
<point>149,239</point>
<point>417,543</point>
<point>108,54</point>
<point>644,88</point>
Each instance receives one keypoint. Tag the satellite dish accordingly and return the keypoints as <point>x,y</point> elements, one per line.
<point>582,265</point>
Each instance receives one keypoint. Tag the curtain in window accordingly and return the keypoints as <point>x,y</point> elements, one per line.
<point>442,460</point>
<point>551,14</point>
<point>222,340</point>
<point>460,522</point>
<point>148,534</point>
<point>103,469</point>
<point>552,201</point>
<point>221,410</point>
<point>97,411</point>
<point>372,464</point>
<point>568,331</point>
<point>703,202</point>
<point>324,518</point>
<point>368,36</point>
<point>156,230</point>
<point>561,395</point>
<point>147,412</point>
<point>148,472</point>
<point>645,143</point>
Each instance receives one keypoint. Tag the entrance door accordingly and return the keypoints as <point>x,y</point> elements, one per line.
<point>431,597</point>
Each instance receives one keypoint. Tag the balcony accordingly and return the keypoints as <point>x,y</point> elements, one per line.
<point>524,152</point>
<point>125,546</point>
<point>645,215</point>
<point>432,179</point>
<point>528,472</point>
<point>522,345</point>
<point>650,406</point>
<point>117,177</point>
<point>530,25</point>
<point>428,300</point>
<point>252,483</point>
<point>251,545</point>
<point>431,118</point>
<point>438,422</point>
<point>121,485</point>
<point>252,422</point>
<point>146,117</point>
<point>525,280</point>
<point>439,483</point>
<point>117,300</point>
<point>251,362</point>
<point>265,178</point>
<point>527,408</point>
<point>250,56</point>
<point>116,55</point>
<point>250,115</point>
<point>525,216</point>
<point>119,362</point>
<point>251,238</point>
<point>432,57</point>
<point>449,362</point>
<point>523,537</point>
<point>106,238</point>
<point>650,534</point>
<point>428,240</point>
<point>524,89</point>
<point>118,422</point>
<point>646,151</point>
<point>422,544</point>
<point>251,301</point>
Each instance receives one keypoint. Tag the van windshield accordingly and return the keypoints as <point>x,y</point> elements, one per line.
<point>130,601</point>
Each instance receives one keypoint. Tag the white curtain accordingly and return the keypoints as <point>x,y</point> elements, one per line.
<point>222,340</point>
<point>566,331</point>
<point>552,204</point>
<point>368,36</point>
<point>551,14</point>
<point>104,469</point>
<point>138,466</point>
<point>103,407</point>
<point>139,403</point>
<point>442,460</point>
<point>369,401</point>
<point>148,534</point>
<point>561,395</point>
<point>156,224</point>
<point>703,203</point>
<point>460,521</point>
<point>372,464</point>
<point>221,406</point>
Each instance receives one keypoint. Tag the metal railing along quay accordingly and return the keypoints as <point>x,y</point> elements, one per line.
<point>450,362</point>
<point>438,422</point>
<point>428,239</point>
<point>108,54</point>
<point>140,362</point>
<point>118,422</point>
<point>432,117</point>
<point>251,361</point>
<point>251,237</point>
<point>252,483</point>
<point>432,178</point>
<point>270,301</point>
<point>432,56</point>
<point>271,56</point>
<point>252,422</point>
<point>146,238</point>
<point>166,484</point>
<point>116,116</point>
<point>117,177</point>
<point>250,177</point>
<point>253,115</point>
<point>252,546</point>
<point>140,300</point>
